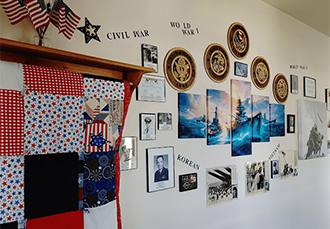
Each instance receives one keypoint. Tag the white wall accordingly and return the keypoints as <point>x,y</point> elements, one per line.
<point>301,202</point>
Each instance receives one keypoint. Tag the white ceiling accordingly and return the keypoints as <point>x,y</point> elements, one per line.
<point>315,13</point>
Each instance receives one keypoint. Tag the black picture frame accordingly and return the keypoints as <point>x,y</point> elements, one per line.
<point>291,123</point>
<point>309,87</point>
<point>149,56</point>
<point>187,182</point>
<point>294,89</point>
<point>327,98</point>
<point>147,126</point>
<point>240,69</point>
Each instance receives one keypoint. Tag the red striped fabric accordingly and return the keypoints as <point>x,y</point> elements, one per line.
<point>15,11</point>
<point>38,13</point>
<point>97,129</point>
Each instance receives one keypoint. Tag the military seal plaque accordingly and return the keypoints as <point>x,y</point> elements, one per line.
<point>260,72</point>
<point>180,69</point>
<point>280,88</point>
<point>216,62</point>
<point>238,40</point>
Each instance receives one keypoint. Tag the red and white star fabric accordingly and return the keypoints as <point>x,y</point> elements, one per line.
<point>103,89</point>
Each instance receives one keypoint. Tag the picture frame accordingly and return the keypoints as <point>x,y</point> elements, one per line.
<point>187,182</point>
<point>327,98</point>
<point>274,169</point>
<point>149,56</point>
<point>164,121</point>
<point>160,168</point>
<point>291,123</point>
<point>309,87</point>
<point>147,126</point>
<point>151,89</point>
<point>294,89</point>
<point>240,69</point>
<point>128,153</point>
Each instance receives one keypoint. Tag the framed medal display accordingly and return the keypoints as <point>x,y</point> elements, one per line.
<point>238,40</point>
<point>260,72</point>
<point>216,63</point>
<point>280,88</point>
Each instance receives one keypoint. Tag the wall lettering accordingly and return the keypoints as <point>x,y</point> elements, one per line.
<point>122,35</point>
<point>186,28</point>
<point>296,66</point>
<point>274,152</point>
<point>188,162</point>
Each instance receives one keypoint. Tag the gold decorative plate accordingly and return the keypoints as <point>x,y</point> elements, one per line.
<point>180,69</point>
<point>280,88</point>
<point>216,62</point>
<point>238,40</point>
<point>260,73</point>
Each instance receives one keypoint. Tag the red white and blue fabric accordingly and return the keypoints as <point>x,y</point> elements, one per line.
<point>53,123</point>
<point>103,89</point>
<point>11,189</point>
<point>97,138</point>
<point>53,81</point>
<point>11,123</point>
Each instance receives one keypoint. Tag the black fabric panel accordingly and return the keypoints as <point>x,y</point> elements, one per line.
<point>12,225</point>
<point>51,184</point>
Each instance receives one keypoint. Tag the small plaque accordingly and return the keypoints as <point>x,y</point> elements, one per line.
<point>180,69</point>
<point>187,182</point>
<point>260,72</point>
<point>216,63</point>
<point>280,88</point>
<point>238,40</point>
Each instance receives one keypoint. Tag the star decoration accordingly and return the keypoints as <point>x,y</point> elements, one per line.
<point>97,140</point>
<point>90,31</point>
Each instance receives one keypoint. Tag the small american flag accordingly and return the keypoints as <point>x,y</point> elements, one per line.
<point>15,10</point>
<point>64,19</point>
<point>38,13</point>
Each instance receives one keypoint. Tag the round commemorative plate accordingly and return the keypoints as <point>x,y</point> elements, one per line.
<point>180,69</point>
<point>238,40</point>
<point>280,88</point>
<point>216,62</point>
<point>260,73</point>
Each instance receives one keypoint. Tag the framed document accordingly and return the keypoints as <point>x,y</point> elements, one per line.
<point>309,87</point>
<point>147,126</point>
<point>151,89</point>
<point>150,56</point>
<point>294,84</point>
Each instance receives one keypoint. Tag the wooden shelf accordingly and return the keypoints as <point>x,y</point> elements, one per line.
<point>25,53</point>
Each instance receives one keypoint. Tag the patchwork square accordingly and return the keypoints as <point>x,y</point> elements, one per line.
<point>97,138</point>
<point>104,89</point>
<point>11,123</point>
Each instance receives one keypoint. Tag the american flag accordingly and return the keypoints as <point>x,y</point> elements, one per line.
<point>38,13</point>
<point>64,19</point>
<point>15,10</point>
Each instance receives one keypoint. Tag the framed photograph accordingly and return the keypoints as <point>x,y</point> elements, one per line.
<point>309,87</point>
<point>160,168</point>
<point>327,98</point>
<point>257,175</point>
<point>294,84</point>
<point>150,56</point>
<point>274,169</point>
<point>240,69</point>
<point>151,89</point>
<point>291,123</point>
<point>147,126</point>
<point>288,161</point>
<point>128,153</point>
<point>164,121</point>
<point>187,182</point>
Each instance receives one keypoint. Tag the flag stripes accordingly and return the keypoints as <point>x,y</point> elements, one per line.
<point>38,13</point>
<point>15,10</point>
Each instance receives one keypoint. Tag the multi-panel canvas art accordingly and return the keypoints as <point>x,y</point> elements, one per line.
<point>260,118</point>
<point>192,118</point>
<point>312,123</point>
<point>277,119</point>
<point>241,135</point>
<point>218,117</point>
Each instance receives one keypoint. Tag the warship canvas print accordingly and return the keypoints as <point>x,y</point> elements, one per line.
<point>241,134</point>
<point>192,118</point>
<point>312,122</point>
<point>218,117</point>
<point>277,120</point>
<point>260,118</point>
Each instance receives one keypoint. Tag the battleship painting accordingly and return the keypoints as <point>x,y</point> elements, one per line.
<point>218,117</point>
<point>192,118</point>
<point>260,118</point>
<point>277,120</point>
<point>241,134</point>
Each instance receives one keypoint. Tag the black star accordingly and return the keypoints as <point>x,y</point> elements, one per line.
<point>90,31</point>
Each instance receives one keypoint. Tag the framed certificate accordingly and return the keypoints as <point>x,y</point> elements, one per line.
<point>309,87</point>
<point>151,89</point>
<point>294,84</point>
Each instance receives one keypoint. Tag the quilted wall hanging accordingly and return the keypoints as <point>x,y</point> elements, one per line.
<point>60,132</point>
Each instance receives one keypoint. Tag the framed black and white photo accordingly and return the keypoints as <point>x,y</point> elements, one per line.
<point>150,56</point>
<point>240,69</point>
<point>160,168</point>
<point>294,84</point>
<point>291,123</point>
<point>327,98</point>
<point>151,89</point>
<point>309,87</point>
<point>164,121</point>
<point>147,126</point>
<point>274,169</point>
<point>187,182</point>
<point>257,174</point>
<point>128,153</point>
